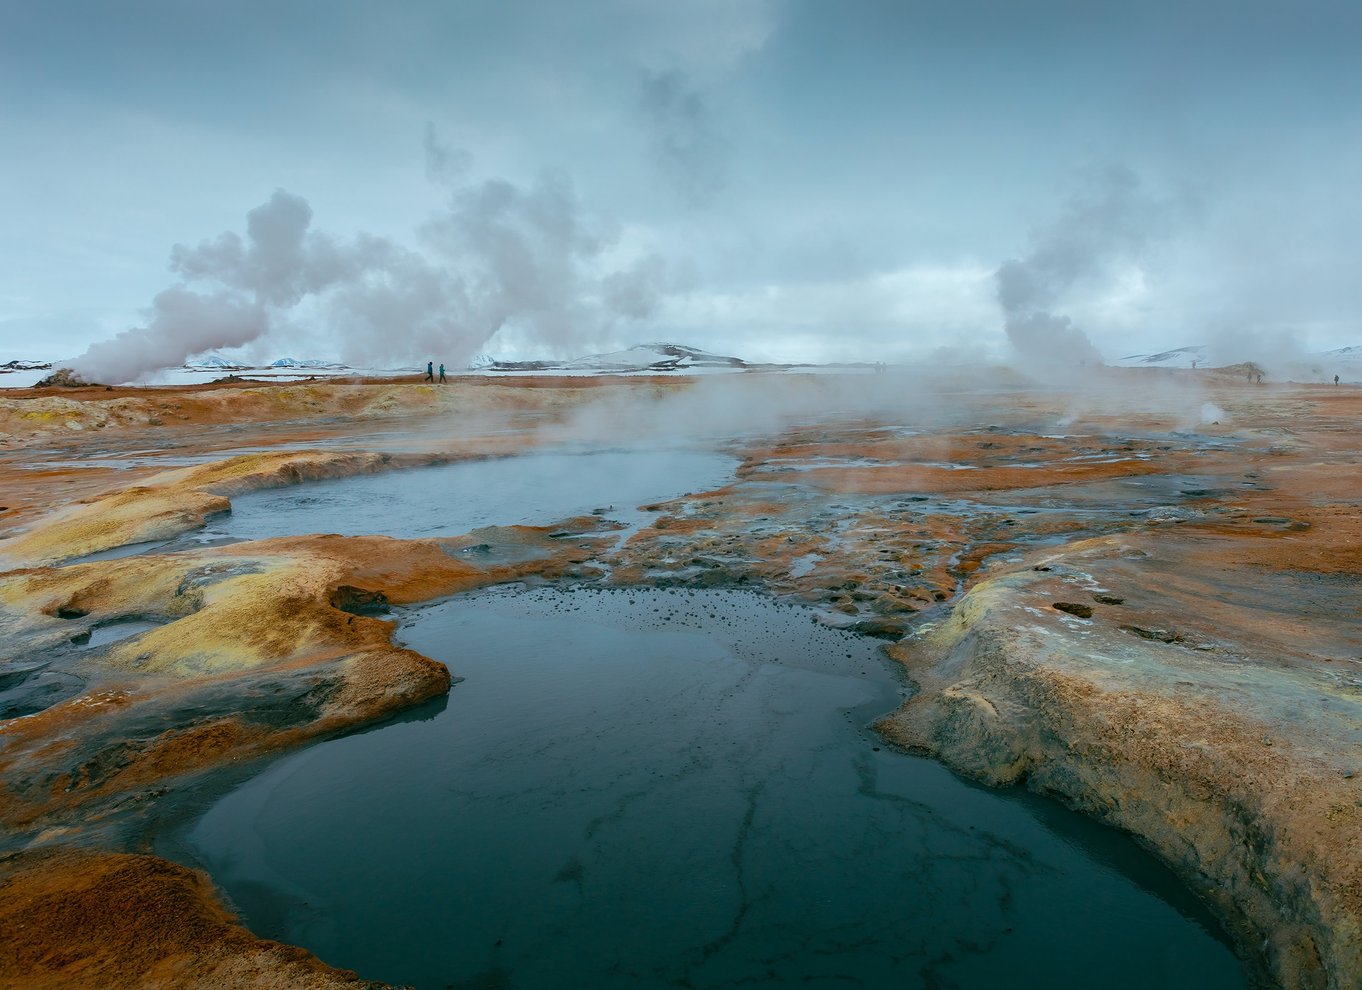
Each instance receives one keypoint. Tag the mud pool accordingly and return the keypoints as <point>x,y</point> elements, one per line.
<point>637,788</point>
<point>532,489</point>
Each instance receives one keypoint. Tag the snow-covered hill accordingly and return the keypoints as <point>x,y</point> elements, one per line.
<point>289,362</point>
<point>639,359</point>
<point>1321,366</point>
<point>1350,356</point>
<point>1182,357</point>
<point>1346,362</point>
<point>21,374</point>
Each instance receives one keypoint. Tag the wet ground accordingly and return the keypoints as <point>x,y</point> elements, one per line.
<point>446,500</point>
<point>641,788</point>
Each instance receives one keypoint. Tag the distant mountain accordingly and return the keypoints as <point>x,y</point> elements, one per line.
<point>215,362</point>
<point>1347,355</point>
<point>311,363</point>
<point>660,357</point>
<point>9,367</point>
<point>1346,362</point>
<point>1182,357</point>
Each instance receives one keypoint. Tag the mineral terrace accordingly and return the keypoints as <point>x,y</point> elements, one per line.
<point>1146,609</point>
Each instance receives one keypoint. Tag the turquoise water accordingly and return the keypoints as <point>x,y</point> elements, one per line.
<point>648,788</point>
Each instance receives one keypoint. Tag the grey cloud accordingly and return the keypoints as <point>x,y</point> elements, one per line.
<point>445,164</point>
<point>908,136</point>
<point>636,293</point>
<point>685,145</point>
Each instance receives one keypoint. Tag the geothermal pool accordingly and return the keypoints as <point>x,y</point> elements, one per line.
<point>450,499</point>
<point>649,788</point>
<point>532,489</point>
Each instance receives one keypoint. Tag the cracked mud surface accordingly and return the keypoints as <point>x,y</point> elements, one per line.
<point>1211,703</point>
<point>678,787</point>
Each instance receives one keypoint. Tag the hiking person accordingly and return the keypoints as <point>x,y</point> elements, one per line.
<point>442,374</point>
<point>1335,379</point>
<point>430,371</point>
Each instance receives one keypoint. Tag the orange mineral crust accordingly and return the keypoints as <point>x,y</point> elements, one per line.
<point>1140,597</point>
<point>88,919</point>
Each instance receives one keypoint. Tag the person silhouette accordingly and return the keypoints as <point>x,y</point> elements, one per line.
<point>430,371</point>
<point>1335,379</point>
<point>442,374</point>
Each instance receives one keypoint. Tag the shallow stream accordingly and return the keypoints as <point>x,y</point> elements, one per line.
<point>648,788</point>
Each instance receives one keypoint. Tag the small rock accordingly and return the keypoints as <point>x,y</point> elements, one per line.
<point>359,601</point>
<point>1108,599</point>
<point>1159,635</point>
<point>879,628</point>
<point>1075,608</point>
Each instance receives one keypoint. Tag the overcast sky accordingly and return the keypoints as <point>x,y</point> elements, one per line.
<point>778,180</point>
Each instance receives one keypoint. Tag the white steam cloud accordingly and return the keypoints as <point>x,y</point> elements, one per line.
<point>499,255</point>
<point>1108,222</point>
<point>182,323</point>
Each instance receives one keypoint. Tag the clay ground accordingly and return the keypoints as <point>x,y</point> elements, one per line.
<point>1140,596</point>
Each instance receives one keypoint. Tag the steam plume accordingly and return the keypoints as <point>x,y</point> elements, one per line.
<point>499,255</point>
<point>1107,222</point>
<point>183,322</point>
